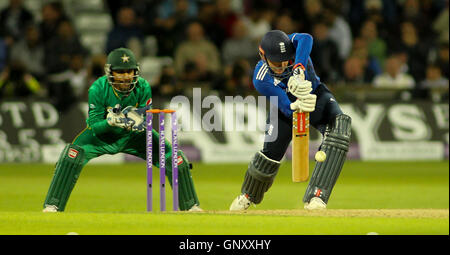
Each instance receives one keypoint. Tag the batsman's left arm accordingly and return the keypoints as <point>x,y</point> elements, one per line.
<point>303,43</point>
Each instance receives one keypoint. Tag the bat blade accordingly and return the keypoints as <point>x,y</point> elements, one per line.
<point>300,147</point>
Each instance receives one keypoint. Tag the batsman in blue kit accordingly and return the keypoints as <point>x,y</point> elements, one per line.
<point>287,72</point>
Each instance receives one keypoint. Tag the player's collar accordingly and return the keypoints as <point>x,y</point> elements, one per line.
<point>120,95</point>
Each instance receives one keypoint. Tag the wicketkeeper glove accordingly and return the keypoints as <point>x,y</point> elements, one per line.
<point>305,104</point>
<point>116,118</point>
<point>135,118</point>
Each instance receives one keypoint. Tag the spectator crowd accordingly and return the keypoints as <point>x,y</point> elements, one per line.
<point>402,44</point>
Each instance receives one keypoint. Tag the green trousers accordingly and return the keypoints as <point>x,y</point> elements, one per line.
<point>133,143</point>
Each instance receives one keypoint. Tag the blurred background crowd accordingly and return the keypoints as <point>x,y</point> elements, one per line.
<point>56,49</point>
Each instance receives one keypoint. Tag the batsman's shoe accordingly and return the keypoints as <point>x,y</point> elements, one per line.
<point>195,208</point>
<point>241,203</point>
<point>315,204</point>
<point>50,208</point>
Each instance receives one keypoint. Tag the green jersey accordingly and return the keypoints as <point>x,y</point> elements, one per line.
<point>102,97</point>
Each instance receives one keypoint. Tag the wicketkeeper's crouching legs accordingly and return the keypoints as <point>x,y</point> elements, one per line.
<point>335,145</point>
<point>72,160</point>
<point>67,171</point>
<point>187,197</point>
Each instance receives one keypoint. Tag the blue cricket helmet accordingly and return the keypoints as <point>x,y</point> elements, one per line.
<point>277,47</point>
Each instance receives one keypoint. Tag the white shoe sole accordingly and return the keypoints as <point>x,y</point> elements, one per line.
<point>51,209</point>
<point>195,208</point>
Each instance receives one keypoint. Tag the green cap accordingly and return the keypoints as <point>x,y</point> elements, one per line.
<point>122,59</point>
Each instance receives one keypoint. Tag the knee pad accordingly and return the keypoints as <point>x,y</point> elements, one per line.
<point>259,177</point>
<point>335,145</point>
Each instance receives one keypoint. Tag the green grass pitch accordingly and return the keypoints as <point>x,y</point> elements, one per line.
<point>390,198</point>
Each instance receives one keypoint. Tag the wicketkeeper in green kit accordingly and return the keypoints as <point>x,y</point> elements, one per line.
<point>116,123</point>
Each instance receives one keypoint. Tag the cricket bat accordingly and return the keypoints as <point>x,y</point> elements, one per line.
<point>300,146</point>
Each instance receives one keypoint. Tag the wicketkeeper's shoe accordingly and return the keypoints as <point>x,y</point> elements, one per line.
<point>50,208</point>
<point>241,203</point>
<point>195,208</point>
<point>315,204</point>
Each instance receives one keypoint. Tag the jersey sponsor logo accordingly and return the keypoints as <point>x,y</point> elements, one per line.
<point>282,47</point>
<point>262,72</point>
<point>72,153</point>
<point>149,102</point>
<point>180,160</point>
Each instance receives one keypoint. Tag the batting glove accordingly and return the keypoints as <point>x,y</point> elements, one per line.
<point>299,73</point>
<point>306,104</point>
<point>298,87</point>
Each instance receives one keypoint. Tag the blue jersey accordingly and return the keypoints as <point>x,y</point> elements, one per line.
<point>270,86</point>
